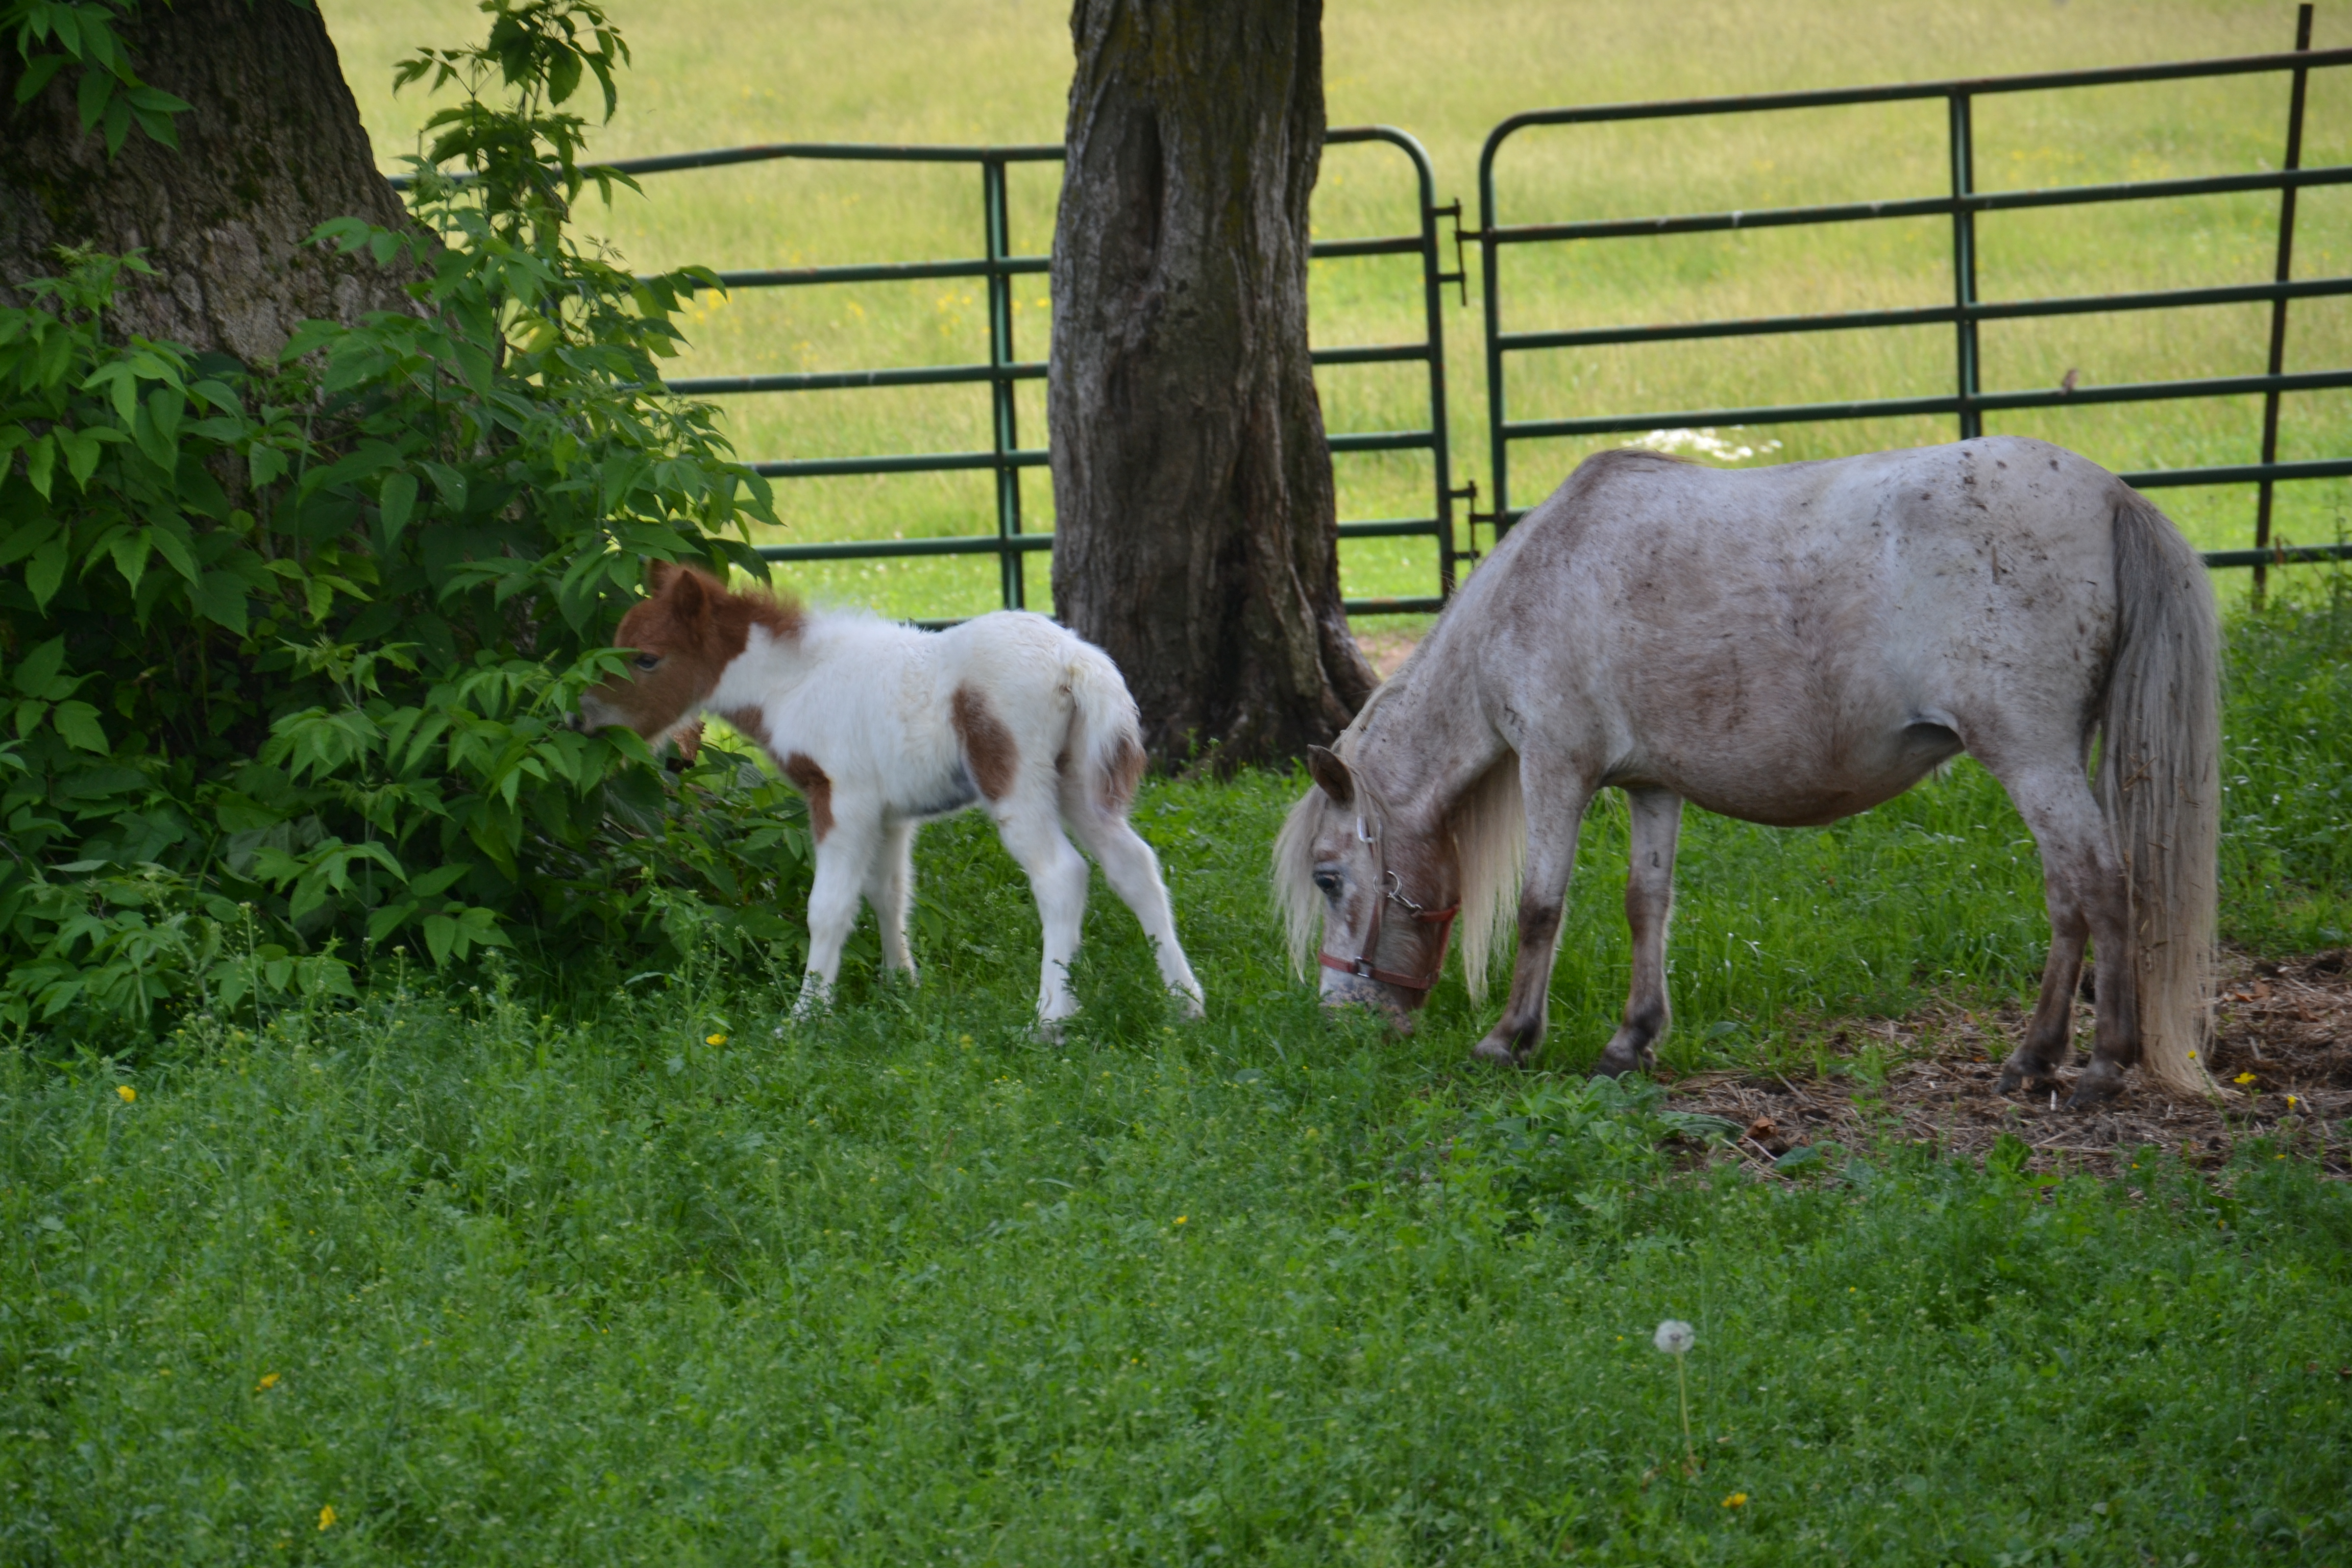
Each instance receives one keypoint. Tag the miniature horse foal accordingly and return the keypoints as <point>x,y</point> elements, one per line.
<point>882,727</point>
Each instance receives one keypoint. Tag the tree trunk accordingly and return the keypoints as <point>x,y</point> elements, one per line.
<point>1195,537</point>
<point>272,147</point>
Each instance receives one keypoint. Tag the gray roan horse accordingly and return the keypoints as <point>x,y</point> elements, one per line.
<point>1790,645</point>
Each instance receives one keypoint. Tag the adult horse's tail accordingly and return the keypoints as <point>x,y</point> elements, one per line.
<point>2159,781</point>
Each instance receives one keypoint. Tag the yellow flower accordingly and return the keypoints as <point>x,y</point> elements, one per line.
<point>1736,1500</point>
<point>714,1039</point>
<point>127,1092</point>
<point>2243,1078</point>
<point>326,1516</point>
<point>1180,1219</point>
<point>269,1380</point>
<point>966,1039</point>
<point>2292,1100</point>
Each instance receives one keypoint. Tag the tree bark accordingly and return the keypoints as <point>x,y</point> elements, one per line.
<point>1195,536</point>
<point>272,147</point>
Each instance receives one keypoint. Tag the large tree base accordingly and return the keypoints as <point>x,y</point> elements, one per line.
<point>1195,527</point>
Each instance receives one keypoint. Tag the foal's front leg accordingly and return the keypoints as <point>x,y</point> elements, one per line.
<point>1555,812</point>
<point>843,858</point>
<point>1649,898</point>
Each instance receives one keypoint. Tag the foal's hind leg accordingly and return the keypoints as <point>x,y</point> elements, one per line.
<point>1649,898</point>
<point>2082,880</point>
<point>1133,872</point>
<point>1057,875</point>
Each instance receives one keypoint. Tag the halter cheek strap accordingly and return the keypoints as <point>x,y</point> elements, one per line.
<point>1362,967</point>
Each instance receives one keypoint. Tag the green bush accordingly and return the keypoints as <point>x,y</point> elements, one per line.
<point>286,654</point>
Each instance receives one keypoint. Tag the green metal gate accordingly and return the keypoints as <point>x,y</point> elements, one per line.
<point>1969,402</point>
<point>999,265</point>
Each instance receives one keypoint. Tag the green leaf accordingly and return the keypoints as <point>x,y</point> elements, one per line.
<point>78,722</point>
<point>440,936</point>
<point>399,501</point>
<point>40,459</point>
<point>130,551</point>
<point>41,673</point>
<point>39,72</point>
<point>45,573</point>
<point>265,465</point>
<point>220,596</point>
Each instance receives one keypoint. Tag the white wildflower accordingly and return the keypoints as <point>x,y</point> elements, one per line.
<point>1674,1337</point>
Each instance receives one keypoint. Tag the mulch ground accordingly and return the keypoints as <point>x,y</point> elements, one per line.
<point>2283,1026</point>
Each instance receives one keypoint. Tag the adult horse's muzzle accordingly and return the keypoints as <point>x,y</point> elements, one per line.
<point>1341,989</point>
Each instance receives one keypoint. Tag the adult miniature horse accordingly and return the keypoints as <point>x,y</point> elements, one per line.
<point>882,728</point>
<point>1790,645</point>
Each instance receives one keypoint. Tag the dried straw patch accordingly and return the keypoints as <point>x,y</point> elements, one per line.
<point>2284,1027</point>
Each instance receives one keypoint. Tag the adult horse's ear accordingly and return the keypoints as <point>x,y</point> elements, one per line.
<point>1330,774</point>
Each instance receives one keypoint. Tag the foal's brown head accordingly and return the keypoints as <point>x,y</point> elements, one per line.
<point>1386,894</point>
<point>684,633</point>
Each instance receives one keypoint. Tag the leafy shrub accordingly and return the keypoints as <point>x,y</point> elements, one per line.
<point>286,654</point>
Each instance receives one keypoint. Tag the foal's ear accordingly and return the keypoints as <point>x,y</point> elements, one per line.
<point>1330,774</point>
<point>657,575</point>
<point>690,596</point>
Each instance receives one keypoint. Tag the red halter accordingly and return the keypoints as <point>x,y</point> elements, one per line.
<point>1362,966</point>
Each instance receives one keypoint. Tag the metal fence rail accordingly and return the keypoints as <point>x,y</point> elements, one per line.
<point>1968,401</point>
<point>1007,456</point>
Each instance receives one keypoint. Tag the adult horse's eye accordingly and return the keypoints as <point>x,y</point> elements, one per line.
<point>1329,882</point>
<point>647,660</point>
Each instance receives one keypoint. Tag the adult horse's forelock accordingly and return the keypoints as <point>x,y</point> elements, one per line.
<point>1294,898</point>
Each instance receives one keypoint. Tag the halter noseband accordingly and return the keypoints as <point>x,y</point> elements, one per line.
<point>1362,966</point>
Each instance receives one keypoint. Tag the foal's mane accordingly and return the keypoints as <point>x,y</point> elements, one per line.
<point>1488,822</point>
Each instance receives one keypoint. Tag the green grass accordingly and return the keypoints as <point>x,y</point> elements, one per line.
<point>733,71</point>
<point>642,1271</point>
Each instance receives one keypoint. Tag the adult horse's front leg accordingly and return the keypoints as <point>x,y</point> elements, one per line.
<point>1555,811</point>
<point>1649,900</point>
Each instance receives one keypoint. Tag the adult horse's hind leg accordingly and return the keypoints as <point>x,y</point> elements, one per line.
<point>1657,816</point>
<point>2082,881</point>
<point>1555,811</point>
<point>1133,872</point>
<point>889,885</point>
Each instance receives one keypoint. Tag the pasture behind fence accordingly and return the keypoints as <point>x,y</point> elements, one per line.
<point>1968,403</point>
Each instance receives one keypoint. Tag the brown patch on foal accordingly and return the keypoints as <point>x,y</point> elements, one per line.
<point>988,747</point>
<point>1121,773</point>
<point>806,776</point>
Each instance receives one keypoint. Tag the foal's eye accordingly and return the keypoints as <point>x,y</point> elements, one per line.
<point>647,660</point>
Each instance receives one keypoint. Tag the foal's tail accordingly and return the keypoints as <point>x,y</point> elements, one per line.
<point>1104,755</point>
<point>2159,781</point>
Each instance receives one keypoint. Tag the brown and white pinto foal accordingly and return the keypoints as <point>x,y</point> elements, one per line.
<point>882,727</point>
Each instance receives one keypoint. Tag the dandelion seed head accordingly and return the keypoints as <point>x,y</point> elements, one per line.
<point>1674,1337</point>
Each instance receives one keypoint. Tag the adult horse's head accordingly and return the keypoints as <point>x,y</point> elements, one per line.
<point>683,635</point>
<point>1383,883</point>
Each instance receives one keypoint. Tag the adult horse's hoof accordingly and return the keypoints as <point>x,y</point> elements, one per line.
<point>2018,1076</point>
<point>2094,1085</point>
<point>1617,1062</point>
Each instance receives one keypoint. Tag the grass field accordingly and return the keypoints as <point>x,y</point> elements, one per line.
<point>731,71</point>
<point>530,1269</point>
<point>639,1270</point>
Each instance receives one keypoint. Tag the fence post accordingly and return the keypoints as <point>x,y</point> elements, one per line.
<point>1004,420</point>
<point>1964,264</point>
<point>2277,364</point>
